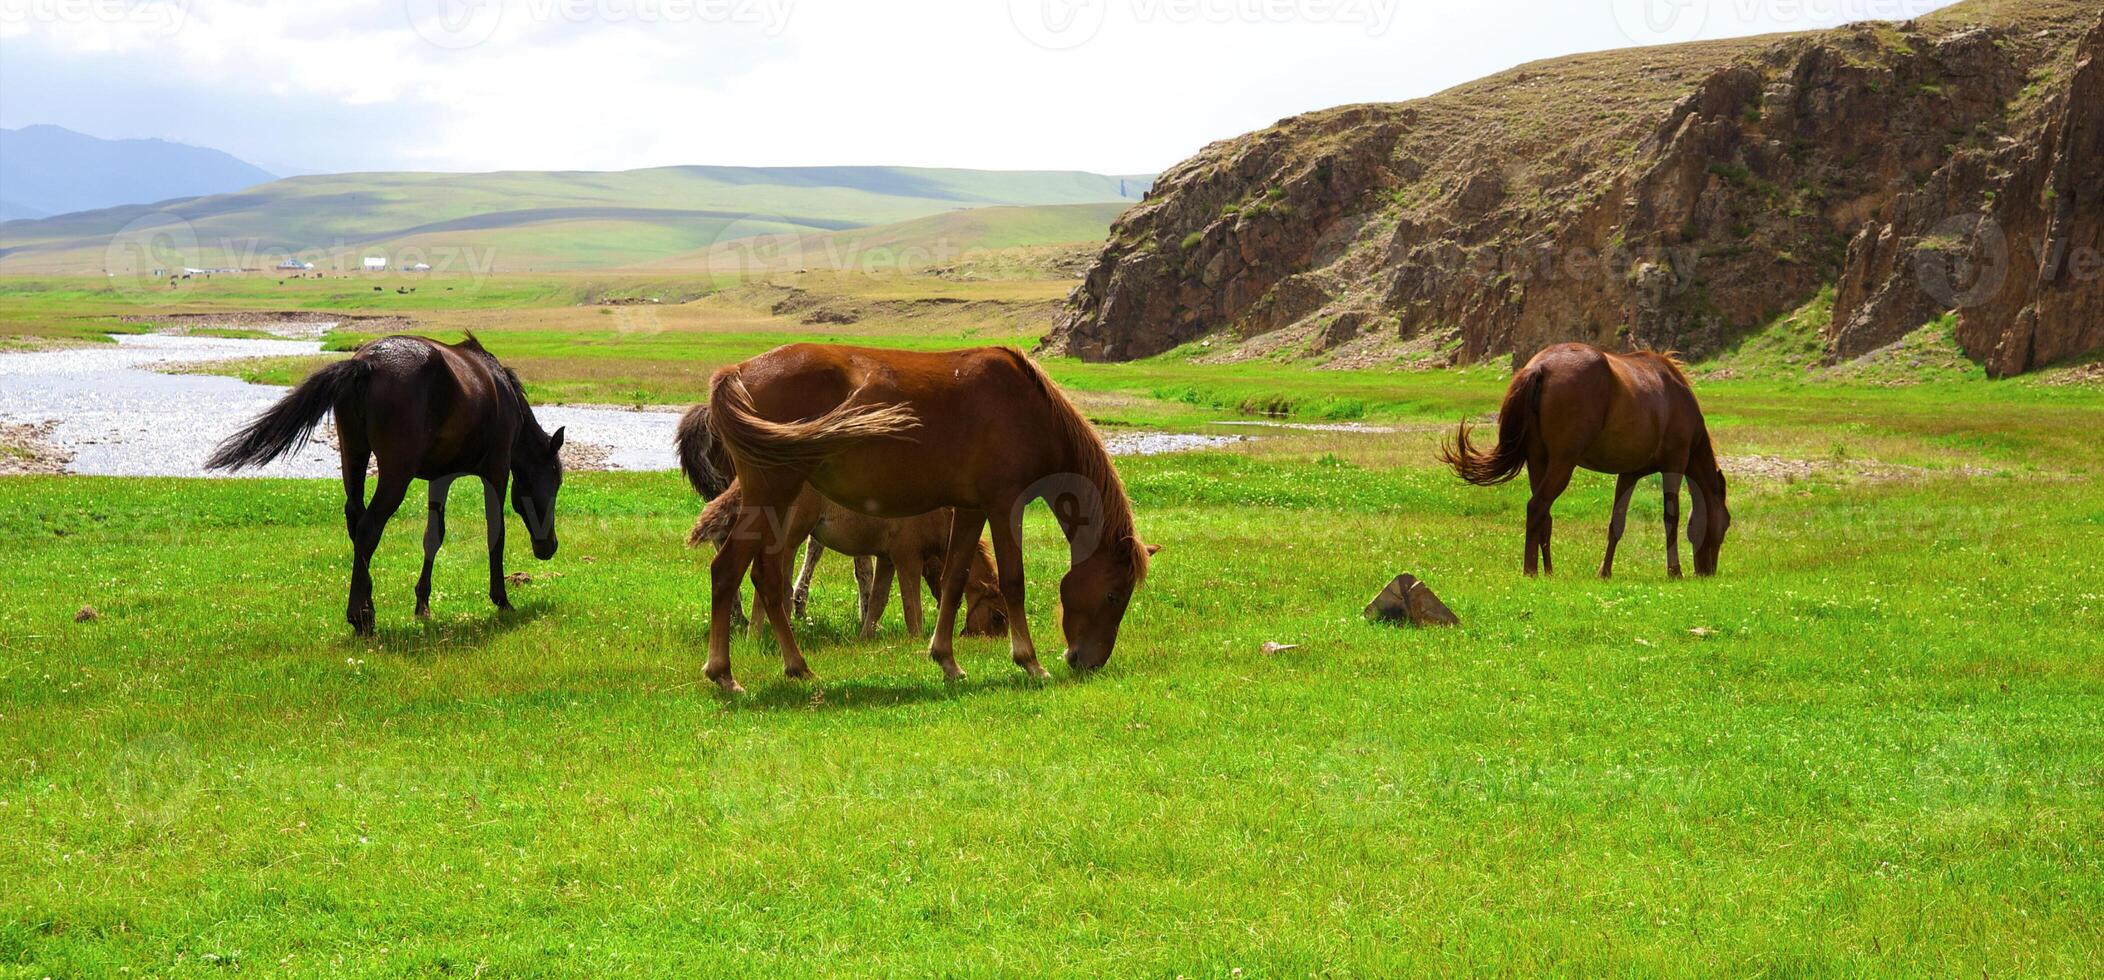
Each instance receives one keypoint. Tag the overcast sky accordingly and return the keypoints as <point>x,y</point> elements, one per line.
<point>1114,86</point>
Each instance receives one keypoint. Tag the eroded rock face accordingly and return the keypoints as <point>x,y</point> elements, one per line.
<point>2046,301</point>
<point>1662,197</point>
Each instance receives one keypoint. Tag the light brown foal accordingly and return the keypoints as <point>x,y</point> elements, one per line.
<point>914,548</point>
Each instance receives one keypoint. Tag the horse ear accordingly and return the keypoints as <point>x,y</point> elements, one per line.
<point>555,442</point>
<point>1153,549</point>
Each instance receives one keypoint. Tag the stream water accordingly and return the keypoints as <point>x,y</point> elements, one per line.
<point>119,416</point>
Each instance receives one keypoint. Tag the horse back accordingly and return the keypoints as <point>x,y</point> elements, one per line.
<point>438,405</point>
<point>1616,413</point>
<point>984,421</point>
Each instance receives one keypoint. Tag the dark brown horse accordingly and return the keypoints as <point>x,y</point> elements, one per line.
<point>914,548</point>
<point>1628,414</point>
<point>896,433</point>
<point>429,411</point>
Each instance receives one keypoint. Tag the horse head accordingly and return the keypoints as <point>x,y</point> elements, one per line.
<point>1707,524</point>
<point>1093,597</point>
<point>536,475</point>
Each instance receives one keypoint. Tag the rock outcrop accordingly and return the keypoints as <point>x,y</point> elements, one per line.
<point>1674,197</point>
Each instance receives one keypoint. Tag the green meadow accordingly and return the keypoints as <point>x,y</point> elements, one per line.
<point>1868,746</point>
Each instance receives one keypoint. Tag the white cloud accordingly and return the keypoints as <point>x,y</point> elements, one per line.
<point>1106,85</point>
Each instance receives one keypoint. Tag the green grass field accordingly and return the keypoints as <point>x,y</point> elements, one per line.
<point>1869,746</point>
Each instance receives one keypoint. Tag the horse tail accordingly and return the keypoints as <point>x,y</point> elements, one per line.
<point>700,455</point>
<point>289,424</point>
<point>718,519</point>
<point>1521,410</point>
<point>764,442</point>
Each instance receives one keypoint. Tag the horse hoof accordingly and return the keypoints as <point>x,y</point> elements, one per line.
<point>423,613</point>
<point>799,674</point>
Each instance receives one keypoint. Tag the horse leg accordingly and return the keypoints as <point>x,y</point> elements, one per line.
<point>725,570</point>
<point>387,495</point>
<point>1625,487</point>
<point>965,526</point>
<point>909,597</point>
<point>493,488</point>
<point>356,457</point>
<point>1672,482</point>
<point>865,577</point>
<point>879,595</point>
<point>801,597</point>
<point>758,623</point>
<point>1553,479</point>
<point>771,583</point>
<point>1008,562</point>
<point>434,535</point>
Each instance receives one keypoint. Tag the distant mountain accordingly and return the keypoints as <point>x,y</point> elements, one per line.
<point>47,170</point>
<point>534,220</point>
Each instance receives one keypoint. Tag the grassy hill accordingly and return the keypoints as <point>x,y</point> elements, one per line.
<point>1014,235</point>
<point>520,220</point>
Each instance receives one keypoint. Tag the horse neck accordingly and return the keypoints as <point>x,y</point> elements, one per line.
<point>1702,462</point>
<point>1088,459</point>
<point>530,434</point>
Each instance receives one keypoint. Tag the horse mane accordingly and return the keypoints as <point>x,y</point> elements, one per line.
<point>1092,459</point>
<point>507,379</point>
<point>1669,359</point>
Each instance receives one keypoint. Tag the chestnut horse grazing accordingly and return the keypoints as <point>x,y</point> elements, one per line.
<point>429,411</point>
<point>1627,414</point>
<point>895,434</point>
<point>915,548</point>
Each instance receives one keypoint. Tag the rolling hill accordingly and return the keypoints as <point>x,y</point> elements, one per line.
<point>47,170</point>
<point>521,220</point>
<point>973,235</point>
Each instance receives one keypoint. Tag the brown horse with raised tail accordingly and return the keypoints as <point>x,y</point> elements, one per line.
<point>429,411</point>
<point>897,433</point>
<point>1628,414</point>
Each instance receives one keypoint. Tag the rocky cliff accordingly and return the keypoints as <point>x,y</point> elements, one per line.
<point>1672,197</point>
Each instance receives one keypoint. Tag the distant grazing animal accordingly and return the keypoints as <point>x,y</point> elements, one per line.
<point>429,411</point>
<point>914,548</point>
<point>893,433</point>
<point>1628,414</point>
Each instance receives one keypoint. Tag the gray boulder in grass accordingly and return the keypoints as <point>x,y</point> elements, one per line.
<point>1407,600</point>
